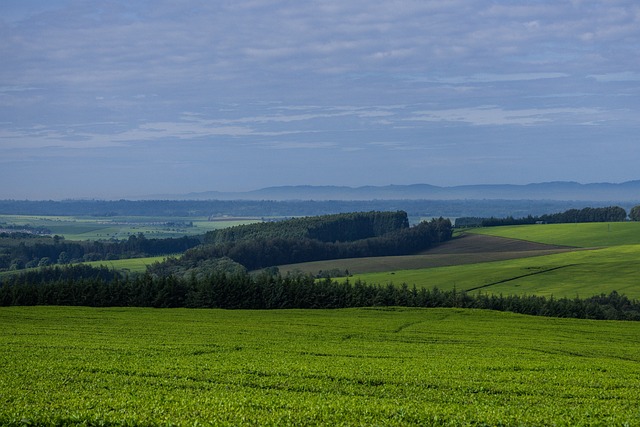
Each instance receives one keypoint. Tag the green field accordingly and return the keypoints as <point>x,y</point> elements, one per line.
<point>583,273</point>
<point>82,366</point>
<point>105,228</point>
<point>571,274</point>
<point>131,265</point>
<point>584,235</point>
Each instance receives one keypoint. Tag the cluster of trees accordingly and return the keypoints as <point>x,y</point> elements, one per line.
<point>32,251</point>
<point>255,246</point>
<point>340,236</point>
<point>605,214</point>
<point>346,227</point>
<point>82,285</point>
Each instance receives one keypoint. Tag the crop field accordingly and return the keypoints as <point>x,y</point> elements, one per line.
<point>547,260</point>
<point>570,274</point>
<point>104,228</point>
<point>583,235</point>
<point>83,366</point>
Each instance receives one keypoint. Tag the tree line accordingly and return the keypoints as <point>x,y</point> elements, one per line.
<point>100,287</point>
<point>344,227</point>
<point>588,214</point>
<point>32,251</point>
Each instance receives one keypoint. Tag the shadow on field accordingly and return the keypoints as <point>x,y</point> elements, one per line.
<point>464,249</point>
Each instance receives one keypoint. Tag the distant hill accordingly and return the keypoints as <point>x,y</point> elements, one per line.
<point>561,190</point>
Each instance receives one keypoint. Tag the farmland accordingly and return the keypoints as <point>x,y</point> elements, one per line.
<point>585,235</point>
<point>548,260</point>
<point>358,366</point>
<point>131,265</point>
<point>121,227</point>
<point>82,366</point>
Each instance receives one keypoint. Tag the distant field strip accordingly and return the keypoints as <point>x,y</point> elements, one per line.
<point>132,265</point>
<point>586,235</point>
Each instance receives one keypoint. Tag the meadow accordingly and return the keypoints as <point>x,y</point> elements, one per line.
<point>584,235</point>
<point>606,261</point>
<point>83,366</point>
<point>130,265</point>
<point>570,274</point>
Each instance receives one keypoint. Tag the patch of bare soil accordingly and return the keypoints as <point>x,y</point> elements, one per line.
<point>476,243</point>
<point>466,249</point>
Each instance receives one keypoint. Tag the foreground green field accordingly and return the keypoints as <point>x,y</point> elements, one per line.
<point>81,366</point>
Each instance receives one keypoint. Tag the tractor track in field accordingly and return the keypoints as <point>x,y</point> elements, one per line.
<point>518,277</point>
<point>465,249</point>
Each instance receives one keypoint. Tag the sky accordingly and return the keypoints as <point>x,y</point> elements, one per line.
<point>120,99</point>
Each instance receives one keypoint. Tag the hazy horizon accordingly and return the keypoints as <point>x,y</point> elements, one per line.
<point>116,99</point>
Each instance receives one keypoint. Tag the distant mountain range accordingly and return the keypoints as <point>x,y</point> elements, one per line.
<point>561,190</point>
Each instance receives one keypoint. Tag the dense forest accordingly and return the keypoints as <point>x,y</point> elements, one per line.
<point>604,214</point>
<point>339,236</point>
<point>87,286</point>
<point>346,227</point>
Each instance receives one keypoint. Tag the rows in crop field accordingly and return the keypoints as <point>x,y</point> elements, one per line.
<point>353,367</point>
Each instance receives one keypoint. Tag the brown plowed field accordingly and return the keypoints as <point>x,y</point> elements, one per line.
<point>474,243</point>
<point>466,249</point>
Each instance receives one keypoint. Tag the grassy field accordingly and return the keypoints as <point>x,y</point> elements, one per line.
<point>581,273</point>
<point>82,366</point>
<point>584,235</point>
<point>557,272</point>
<point>104,228</point>
<point>132,265</point>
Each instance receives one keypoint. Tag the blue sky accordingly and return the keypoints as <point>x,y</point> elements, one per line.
<point>110,99</point>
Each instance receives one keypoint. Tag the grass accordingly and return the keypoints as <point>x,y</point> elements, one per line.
<point>584,235</point>
<point>82,366</point>
<point>581,273</point>
<point>131,265</point>
<point>569,274</point>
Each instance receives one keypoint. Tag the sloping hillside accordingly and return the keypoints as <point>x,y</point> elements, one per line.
<point>465,249</point>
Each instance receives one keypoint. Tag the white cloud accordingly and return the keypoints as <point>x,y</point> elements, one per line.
<point>486,78</point>
<point>492,115</point>
<point>624,76</point>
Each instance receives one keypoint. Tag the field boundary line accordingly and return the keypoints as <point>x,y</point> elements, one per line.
<point>519,277</point>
